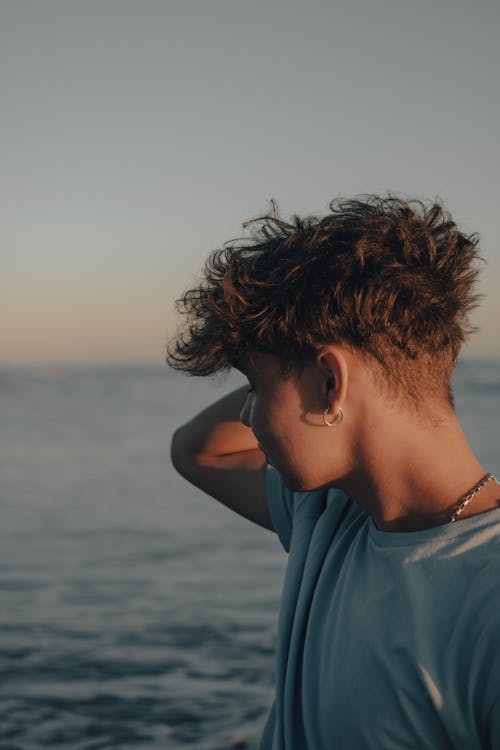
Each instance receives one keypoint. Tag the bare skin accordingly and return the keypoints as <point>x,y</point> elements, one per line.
<point>407,472</point>
<point>220,455</point>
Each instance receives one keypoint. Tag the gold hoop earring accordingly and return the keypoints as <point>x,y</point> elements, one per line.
<point>336,420</point>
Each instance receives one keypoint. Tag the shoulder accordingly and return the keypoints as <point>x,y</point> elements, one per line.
<point>291,510</point>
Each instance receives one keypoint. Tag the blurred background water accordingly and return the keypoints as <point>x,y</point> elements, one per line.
<point>135,612</point>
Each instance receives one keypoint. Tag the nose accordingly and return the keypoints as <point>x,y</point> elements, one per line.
<point>245,411</point>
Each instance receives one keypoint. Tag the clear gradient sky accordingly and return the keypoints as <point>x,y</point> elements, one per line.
<point>136,136</point>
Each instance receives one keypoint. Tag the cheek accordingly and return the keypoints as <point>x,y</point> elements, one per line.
<point>255,420</point>
<point>265,425</point>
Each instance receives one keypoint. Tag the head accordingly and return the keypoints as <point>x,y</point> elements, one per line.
<point>288,416</point>
<point>390,280</point>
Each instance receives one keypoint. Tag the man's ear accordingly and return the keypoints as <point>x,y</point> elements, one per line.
<point>335,371</point>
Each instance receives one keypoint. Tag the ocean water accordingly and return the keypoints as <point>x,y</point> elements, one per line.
<point>136,612</point>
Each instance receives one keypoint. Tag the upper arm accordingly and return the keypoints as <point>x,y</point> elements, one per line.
<point>238,480</point>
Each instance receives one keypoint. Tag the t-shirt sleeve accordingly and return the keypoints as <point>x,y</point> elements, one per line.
<point>280,501</point>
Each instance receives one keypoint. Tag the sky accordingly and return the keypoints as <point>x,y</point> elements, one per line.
<point>137,136</point>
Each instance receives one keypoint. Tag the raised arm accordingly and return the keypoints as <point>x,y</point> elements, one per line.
<point>218,454</point>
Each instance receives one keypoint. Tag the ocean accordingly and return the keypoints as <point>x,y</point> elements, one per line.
<point>136,612</point>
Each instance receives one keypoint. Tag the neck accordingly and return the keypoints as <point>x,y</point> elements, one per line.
<point>413,477</point>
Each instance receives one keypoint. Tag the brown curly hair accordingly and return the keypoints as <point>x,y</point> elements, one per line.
<point>391,278</point>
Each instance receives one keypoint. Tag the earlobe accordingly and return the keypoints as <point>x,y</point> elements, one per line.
<point>339,416</point>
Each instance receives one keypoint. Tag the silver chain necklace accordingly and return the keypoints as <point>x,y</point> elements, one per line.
<point>465,499</point>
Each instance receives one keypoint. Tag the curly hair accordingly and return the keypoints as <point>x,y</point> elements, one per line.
<point>391,278</point>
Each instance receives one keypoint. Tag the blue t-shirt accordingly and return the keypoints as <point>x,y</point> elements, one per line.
<point>386,641</point>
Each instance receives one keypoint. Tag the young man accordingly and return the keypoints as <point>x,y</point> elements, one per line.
<point>348,329</point>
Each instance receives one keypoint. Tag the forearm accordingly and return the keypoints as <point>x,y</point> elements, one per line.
<point>215,431</point>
